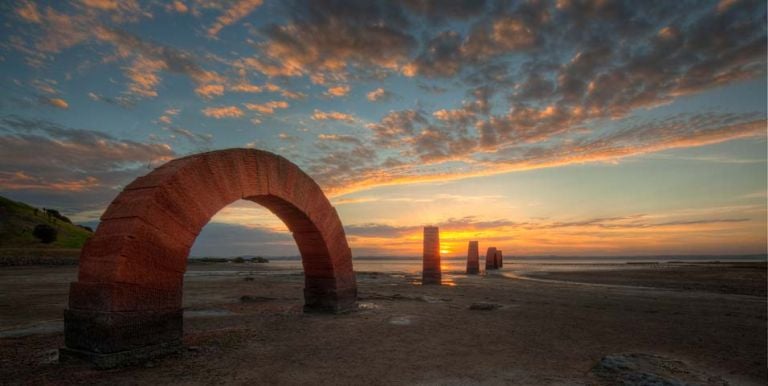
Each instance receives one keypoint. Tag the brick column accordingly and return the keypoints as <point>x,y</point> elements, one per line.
<point>490,259</point>
<point>431,273</point>
<point>473,259</point>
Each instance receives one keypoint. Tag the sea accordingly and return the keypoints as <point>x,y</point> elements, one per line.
<point>413,265</point>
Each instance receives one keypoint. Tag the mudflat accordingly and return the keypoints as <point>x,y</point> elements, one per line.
<point>586,327</point>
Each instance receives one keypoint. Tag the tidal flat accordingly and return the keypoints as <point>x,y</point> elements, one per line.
<point>596,324</point>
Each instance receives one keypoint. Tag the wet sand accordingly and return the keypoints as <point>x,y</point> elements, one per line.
<point>547,326</point>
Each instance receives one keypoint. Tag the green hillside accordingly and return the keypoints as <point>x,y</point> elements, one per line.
<point>17,220</point>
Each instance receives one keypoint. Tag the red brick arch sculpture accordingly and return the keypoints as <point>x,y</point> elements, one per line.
<point>126,304</point>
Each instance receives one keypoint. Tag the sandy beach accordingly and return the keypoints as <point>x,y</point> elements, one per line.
<point>596,325</point>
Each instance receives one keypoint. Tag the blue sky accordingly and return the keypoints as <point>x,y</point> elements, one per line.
<point>543,127</point>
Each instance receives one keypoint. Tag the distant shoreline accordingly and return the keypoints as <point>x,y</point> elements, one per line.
<point>659,258</point>
<point>27,257</point>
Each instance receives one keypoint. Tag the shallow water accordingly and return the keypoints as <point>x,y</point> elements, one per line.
<point>519,264</point>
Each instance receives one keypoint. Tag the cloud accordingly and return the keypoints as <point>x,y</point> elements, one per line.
<point>396,125</point>
<point>460,116</point>
<point>338,91</point>
<point>209,91</point>
<point>22,181</point>
<point>339,138</point>
<point>517,148</point>
<point>110,5</point>
<point>28,11</point>
<point>168,114</point>
<point>432,88</point>
<point>288,137</point>
<point>41,156</point>
<point>222,112</point>
<point>57,102</point>
<point>246,87</point>
<point>501,32</point>
<point>327,36</point>
<point>61,30</point>
<point>332,116</point>
<point>177,6</point>
<point>267,108</point>
<point>144,60</point>
<point>761,195</point>
<point>218,239</point>
<point>379,94</point>
<point>293,94</point>
<point>45,86</point>
<point>195,138</point>
<point>149,59</point>
<point>473,223</point>
<point>121,100</point>
<point>438,10</point>
<point>143,74</point>
<point>238,10</point>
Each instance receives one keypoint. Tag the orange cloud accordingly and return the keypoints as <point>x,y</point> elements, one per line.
<point>601,149</point>
<point>167,116</point>
<point>58,103</point>
<point>453,115</point>
<point>222,112</point>
<point>378,94</point>
<point>144,77</point>
<point>237,11</point>
<point>267,108</point>
<point>209,91</point>
<point>620,235</point>
<point>28,12</point>
<point>178,6</point>
<point>246,87</point>
<point>338,91</point>
<point>333,116</point>
<point>101,4</point>
<point>22,181</point>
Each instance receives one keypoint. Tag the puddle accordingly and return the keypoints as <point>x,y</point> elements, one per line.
<point>49,327</point>
<point>365,306</point>
<point>406,320</point>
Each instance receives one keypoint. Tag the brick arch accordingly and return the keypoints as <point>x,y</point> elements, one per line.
<point>126,303</point>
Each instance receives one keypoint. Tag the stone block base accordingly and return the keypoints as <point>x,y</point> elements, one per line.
<point>122,358</point>
<point>432,276</point>
<point>330,301</point>
<point>109,339</point>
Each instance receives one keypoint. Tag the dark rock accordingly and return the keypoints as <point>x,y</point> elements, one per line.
<point>483,306</point>
<point>650,370</point>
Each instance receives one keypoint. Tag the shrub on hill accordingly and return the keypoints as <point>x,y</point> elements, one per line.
<point>55,214</point>
<point>45,233</point>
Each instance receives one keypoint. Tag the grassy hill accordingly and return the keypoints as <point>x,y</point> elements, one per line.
<point>17,220</point>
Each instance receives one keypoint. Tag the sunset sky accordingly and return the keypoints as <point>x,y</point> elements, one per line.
<point>539,127</point>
